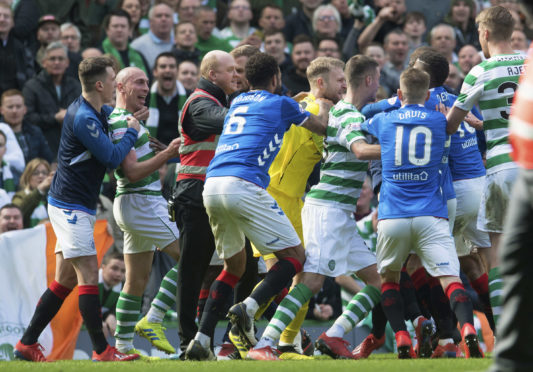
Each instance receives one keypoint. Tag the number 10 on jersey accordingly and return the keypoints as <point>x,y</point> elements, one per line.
<point>424,145</point>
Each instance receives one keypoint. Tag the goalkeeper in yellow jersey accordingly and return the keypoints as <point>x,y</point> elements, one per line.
<point>300,152</point>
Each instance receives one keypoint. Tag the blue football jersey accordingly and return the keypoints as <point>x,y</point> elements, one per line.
<point>465,160</point>
<point>412,142</point>
<point>85,151</point>
<point>252,135</point>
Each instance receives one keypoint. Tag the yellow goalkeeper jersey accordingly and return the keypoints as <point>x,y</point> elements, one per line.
<point>300,151</point>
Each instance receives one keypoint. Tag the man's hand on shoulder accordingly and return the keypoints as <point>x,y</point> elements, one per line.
<point>300,96</point>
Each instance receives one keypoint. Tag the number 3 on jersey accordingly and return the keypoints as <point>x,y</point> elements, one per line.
<point>235,124</point>
<point>412,146</point>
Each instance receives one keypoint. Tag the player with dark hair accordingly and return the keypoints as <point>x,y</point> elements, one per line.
<point>85,152</point>
<point>238,204</point>
<point>333,246</point>
<point>412,209</point>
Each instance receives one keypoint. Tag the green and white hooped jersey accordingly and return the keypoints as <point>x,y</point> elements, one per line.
<point>342,174</point>
<point>149,185</point>
<point>492,84</point>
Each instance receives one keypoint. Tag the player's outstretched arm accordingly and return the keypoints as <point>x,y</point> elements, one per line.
<point>92,136</point>
<point>319,123</point>
<point>136,171</point>
<point>364,151</point>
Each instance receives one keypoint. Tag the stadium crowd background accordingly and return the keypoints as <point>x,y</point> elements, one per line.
<point>43,42</point>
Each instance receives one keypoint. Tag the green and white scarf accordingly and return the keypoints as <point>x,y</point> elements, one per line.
<point>134,56</point>
<point>38,214</point>
<point>7,178</point>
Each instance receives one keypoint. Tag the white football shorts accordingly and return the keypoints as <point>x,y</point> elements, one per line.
<point>428,237</point>
<point>332,245</point>
<point>144,221</point>
<point>465,231</point>
<point>494,200</point>
<point>239,208</point>
<point>74,230</point>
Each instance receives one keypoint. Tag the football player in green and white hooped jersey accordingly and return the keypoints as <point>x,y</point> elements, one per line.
<point>139,208</point>
<point>492,84</point>
<point>333,246</point>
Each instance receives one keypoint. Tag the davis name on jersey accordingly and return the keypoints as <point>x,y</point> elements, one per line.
<point>252,135</point>
<point>412,142</point>
<point>465,160</point>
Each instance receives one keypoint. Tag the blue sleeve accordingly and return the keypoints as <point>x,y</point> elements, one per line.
<point>381,106</point>
<point>371,126</point>
<point>292,112</point>
<point>91,135</point>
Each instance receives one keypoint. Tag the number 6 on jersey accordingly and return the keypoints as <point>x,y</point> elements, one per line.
<point>235,124</point>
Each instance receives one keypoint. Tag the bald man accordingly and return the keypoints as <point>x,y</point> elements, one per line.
<point>200,125</point>
<point>138,191</point>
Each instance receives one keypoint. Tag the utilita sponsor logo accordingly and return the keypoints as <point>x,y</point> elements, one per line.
<point>409,176</point>
<point>469,143</point>
<point>225,147</point>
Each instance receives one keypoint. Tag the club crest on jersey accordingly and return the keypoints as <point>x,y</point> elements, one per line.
<point>272,147</point>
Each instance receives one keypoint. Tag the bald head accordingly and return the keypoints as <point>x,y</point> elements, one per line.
<point>126,73</point>
<point>211,61</point>
<point>219,68</point>
<point>132,89</point>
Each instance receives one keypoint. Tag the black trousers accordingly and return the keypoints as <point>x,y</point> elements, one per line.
<point>515,328</point>
<point>197,245</point>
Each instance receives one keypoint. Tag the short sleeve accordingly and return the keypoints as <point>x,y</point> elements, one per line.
<point>292,112</point>
<point>350,130</point>
<point>471,90</point>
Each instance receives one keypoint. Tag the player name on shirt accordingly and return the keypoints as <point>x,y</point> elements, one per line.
<point>412,114</point>
<point>252,135</point>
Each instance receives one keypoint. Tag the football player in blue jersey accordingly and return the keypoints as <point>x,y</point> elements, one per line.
<point>467,170</point>
<point>238,204</point>
<point>85,151</point>
<point>412,210</point>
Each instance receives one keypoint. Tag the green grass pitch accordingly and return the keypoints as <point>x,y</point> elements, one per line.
<point>376,363</point>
